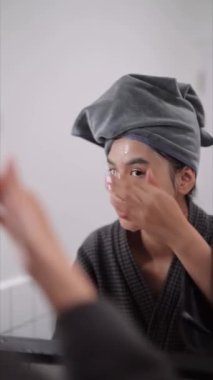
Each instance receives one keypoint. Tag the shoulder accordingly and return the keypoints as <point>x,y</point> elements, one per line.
<point>102,233</point>
<point>198,211</point>
<point>202,221</point>
<point>99,241</point>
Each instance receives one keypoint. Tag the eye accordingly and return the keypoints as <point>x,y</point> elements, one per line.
<point>112,171</point>
<point>137,173</point>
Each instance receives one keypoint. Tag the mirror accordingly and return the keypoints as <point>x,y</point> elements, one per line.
<point>57,57</point>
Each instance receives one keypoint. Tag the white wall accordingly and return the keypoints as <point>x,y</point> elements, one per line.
<point>59,55</point>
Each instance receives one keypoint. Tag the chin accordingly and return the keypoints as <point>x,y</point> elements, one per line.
<point>127,225</point>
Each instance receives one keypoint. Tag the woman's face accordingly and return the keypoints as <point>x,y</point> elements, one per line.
<point>132,158</point>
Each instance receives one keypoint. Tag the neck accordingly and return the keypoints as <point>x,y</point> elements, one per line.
<point>182,202</point>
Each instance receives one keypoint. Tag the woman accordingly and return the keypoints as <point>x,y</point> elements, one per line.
<point>155,263</point>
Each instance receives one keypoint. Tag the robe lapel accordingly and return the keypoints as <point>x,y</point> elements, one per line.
<point>134,280</point>
<point>158,316</point>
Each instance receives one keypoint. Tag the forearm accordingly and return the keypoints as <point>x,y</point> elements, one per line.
<point>196,256</point>
<point>25,220</point>
<point>65,286</point>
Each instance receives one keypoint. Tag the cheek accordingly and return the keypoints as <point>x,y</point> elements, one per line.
<point>164,181</point>
<point>169,186</point>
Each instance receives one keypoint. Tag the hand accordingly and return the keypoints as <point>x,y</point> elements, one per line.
<point>22,215</point>
<point>144,204</point>
<point>24,219</point>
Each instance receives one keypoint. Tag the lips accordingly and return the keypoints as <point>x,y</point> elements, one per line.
<point>122,215</point>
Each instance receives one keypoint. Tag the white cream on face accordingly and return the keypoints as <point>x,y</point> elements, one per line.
<point>123,151</point>
<point>126,149</point>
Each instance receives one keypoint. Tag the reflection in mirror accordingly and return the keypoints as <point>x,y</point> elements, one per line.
<point>56,58</point>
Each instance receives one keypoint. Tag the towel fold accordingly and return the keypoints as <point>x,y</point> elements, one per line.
<point>163,113</point>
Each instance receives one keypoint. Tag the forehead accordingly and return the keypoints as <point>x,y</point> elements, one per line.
<point>125,147</point>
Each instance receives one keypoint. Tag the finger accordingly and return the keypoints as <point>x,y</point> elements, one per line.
<point>130,190</point>
<point>12,173</point>
<point>2,220</point>
<point>117,187</point>
<point>9,178</point>
<point>117,201</point>
<point>121,207</point>
<point>150,178</point>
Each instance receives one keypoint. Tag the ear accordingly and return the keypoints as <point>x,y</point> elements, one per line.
<point>185,180</point>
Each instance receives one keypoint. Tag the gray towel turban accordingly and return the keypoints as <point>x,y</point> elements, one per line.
<point>159,111</point>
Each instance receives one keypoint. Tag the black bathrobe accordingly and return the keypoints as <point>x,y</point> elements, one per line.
<point>180,319</point>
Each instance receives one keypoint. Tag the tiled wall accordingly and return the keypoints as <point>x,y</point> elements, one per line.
<point>24,311</point>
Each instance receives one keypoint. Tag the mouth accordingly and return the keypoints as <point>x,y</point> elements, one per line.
<point>122,215</point>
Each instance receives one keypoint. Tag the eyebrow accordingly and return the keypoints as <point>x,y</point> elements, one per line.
<point>136,160</point>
